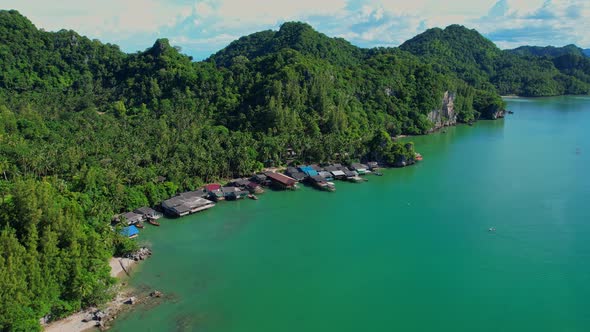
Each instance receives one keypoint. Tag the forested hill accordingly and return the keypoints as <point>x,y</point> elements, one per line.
<point>482,64</point>
<point>549,51</point>
<point>300,37</point>
<point>87,131</point>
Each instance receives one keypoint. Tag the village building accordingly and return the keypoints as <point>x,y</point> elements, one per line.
<point>254,188</point>
<point>186,203</point>
<point>130,232</point>
<point>339,167</point>
<point>214,192</point>
<point>326,175</point>
<point>373,165</point>
<point>295,173</point>
<point>281,181</point>
<point>338,174</point>
<point>299,176</point>
<point>308,170</point>
<point>233,193</point>
<point>316,167</point>
<point>132,218</point>
<point>261,179</point>
<point>320,182</point>
<point>240,183</point>
<point>360,168</point>
<point>148,213</point>
<point>335,171</point>
<point>350,174</point>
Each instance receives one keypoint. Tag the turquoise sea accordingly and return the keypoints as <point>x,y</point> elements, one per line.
<point>408,251</point>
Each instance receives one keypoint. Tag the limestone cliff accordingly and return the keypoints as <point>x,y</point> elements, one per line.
<point>446,115</point>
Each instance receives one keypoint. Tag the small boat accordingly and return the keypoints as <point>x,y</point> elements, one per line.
<point>492,229</point>
<point>139,225</point>
<point>252,196</point>
<point>378,173</point>
<point>153,222</point>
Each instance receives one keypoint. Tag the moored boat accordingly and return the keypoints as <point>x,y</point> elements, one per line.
<point>153,222</point>
<point>252,196</point>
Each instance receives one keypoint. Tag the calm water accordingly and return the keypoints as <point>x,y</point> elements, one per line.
<point>408,251</point>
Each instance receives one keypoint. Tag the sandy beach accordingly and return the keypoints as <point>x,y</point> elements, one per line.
<point>120,267</point>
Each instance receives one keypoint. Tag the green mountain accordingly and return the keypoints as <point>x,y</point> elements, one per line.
<point>87,131</point>
<point>298,36</point>
<point>549,51</point>
<point>480,63</point>
<point>464,52</point>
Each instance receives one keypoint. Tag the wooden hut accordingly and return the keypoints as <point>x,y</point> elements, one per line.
<point>281,181</point>
<point>360,168</point>
<point>148,213</point>
<point>186,203</point>
<point>255,188</point>
<point>130,232</point>
<point>133,218</point>
<point>262,179</point>
<point>308,170</point>
<point>373,165</point>
<point>320,182</point>
<point>214,191</point>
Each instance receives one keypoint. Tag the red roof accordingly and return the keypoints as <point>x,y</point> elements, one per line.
<point>281,178</point>
<point>212,187</point>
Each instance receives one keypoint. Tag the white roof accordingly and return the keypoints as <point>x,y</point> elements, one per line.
<point>338,173</point>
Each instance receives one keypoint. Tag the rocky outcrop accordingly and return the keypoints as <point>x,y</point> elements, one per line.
<point>140,255</point>
<point>498,114</point>
<point>446,115</point>
<point>156,293</point>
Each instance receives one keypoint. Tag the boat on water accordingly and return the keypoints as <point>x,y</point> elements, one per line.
<point>331,186</point>
<point>492,229</point>
<point>252,196</point>
<point>139,225</point>
<point>378,173</point>
<point>153,222</point>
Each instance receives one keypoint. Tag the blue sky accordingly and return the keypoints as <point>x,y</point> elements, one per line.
<point>201,27</point>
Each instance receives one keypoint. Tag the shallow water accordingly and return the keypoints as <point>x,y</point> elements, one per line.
<point>408,251</point>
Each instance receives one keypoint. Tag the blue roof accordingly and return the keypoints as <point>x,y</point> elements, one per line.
<point>129,231</point>
<point>308,170</point>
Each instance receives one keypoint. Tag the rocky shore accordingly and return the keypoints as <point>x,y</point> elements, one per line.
<point>101,317</point>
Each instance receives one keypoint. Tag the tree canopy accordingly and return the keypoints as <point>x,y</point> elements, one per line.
<point>87,131</point>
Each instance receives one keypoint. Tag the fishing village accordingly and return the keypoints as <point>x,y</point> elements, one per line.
<point>206,197</point>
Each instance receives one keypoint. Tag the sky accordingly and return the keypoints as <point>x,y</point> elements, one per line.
<point>202,27</point>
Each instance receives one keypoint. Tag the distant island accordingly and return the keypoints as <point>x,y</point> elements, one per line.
<point>88,131</point>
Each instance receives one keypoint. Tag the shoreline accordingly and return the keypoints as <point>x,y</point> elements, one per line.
<point>82,320</point>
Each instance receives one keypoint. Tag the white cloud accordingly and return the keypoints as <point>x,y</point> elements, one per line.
<point>203,26</point>
<point>100,18</point>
